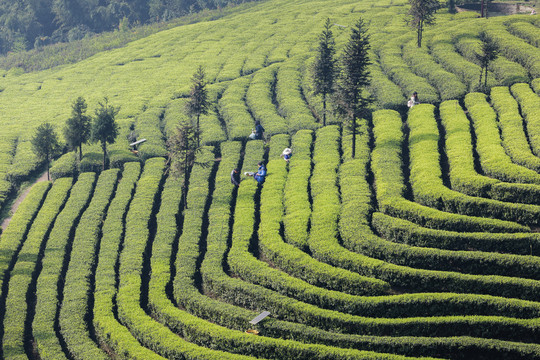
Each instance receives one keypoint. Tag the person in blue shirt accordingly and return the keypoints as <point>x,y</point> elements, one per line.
<point>261,173</point>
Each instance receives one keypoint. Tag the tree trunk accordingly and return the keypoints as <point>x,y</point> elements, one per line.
<point>48,177</point>
<point>198,115</point>
<point>419,34</point>
<point>482,8</point>
<point>80,152</point>
<point>354,137</point>
<point>185,185</point>
<point>485,78</point>
<point>480,80</point>
<point>104,147</point>
<point>324,109</point>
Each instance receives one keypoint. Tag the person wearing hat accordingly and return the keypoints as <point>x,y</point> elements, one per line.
<point>286,154</point>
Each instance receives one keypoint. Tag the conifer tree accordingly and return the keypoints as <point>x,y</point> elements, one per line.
<point>489,52</point>
<point>324,69</point>
<point>351,99</point>
<point>198,104</point>
<point>104,127</point>
<point>45,143</point>
<point>183,150</point>
<point>422,12</point>
<point>77,130</point>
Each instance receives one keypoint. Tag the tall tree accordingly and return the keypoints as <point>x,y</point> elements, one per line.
<point>324,70</point>
<point>488,52</point>
<point>45,143</point>
<point>451,6</point>
<point>183,150</point>
<point>421,13</point>
<point>351,99</point>
<point>198,104</point>
<point>77,130</point>
<point>104,127</point>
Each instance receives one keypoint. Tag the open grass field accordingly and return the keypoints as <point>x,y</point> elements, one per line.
<point>425,245</point>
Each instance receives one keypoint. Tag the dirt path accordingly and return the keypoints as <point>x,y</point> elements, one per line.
<point>21,197</point>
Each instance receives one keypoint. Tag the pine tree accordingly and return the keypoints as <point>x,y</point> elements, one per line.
<point>422,12</point>
<point>489,52</point>
<point>351,100</point>
<point>183,150</point>
<point>45,144</point>
<point>198,104</point>
<point>77,130</point>
<point>324,68</point>
<point>104,127</point>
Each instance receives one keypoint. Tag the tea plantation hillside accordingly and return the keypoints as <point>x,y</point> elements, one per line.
<point>425,245</point>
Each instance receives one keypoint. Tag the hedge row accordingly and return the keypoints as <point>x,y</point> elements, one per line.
<point>515,49</point>
<point>190,298</point>
<point>14,235</point>
<point>390,188</point>
<point>326,205</point>
<point>501,70</point>
<point>493,158</point>
<point>296,198</point>
<point>463,175</point>
<point>290,98</point>
<point>387,94</point>
<point>259,98</point>
<point>426,176</point>
<point>231,316</point>
<point>24,162</point>
<point>536,85</point>
<point>233,108</point>
<point>7,144</point>
<point>150,333</point>
<point>387,149</point>
<point>448,84</point>
<point>107,327</point>
<point>65,166</point>
<point>148,126</point>
<point>526,31</point>
<point>399,71</point>
<point>443,51</point>
<point>77,282</point>
<point>530,110</point>
<point>22,275</point>
<point>47,304</point>
<point>406,232</point>
<point>429,257</point>
<point>210,124</point>
<point>292,260</point>
<point>511,125</point>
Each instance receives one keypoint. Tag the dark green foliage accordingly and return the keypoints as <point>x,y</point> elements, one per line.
<point>45,143</point>
<point>422,12</point>
<point>488,53</point>
<point>77,130</point>
<point>34,24</point>
<point>324,66</point>
<point>351,101</point>
<point>197,103</point>
<point>104,127</point>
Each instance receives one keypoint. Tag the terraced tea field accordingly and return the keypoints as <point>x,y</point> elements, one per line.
<point>425,244</point>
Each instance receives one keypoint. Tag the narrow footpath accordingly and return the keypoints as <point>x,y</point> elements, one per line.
<point>19,200</point>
